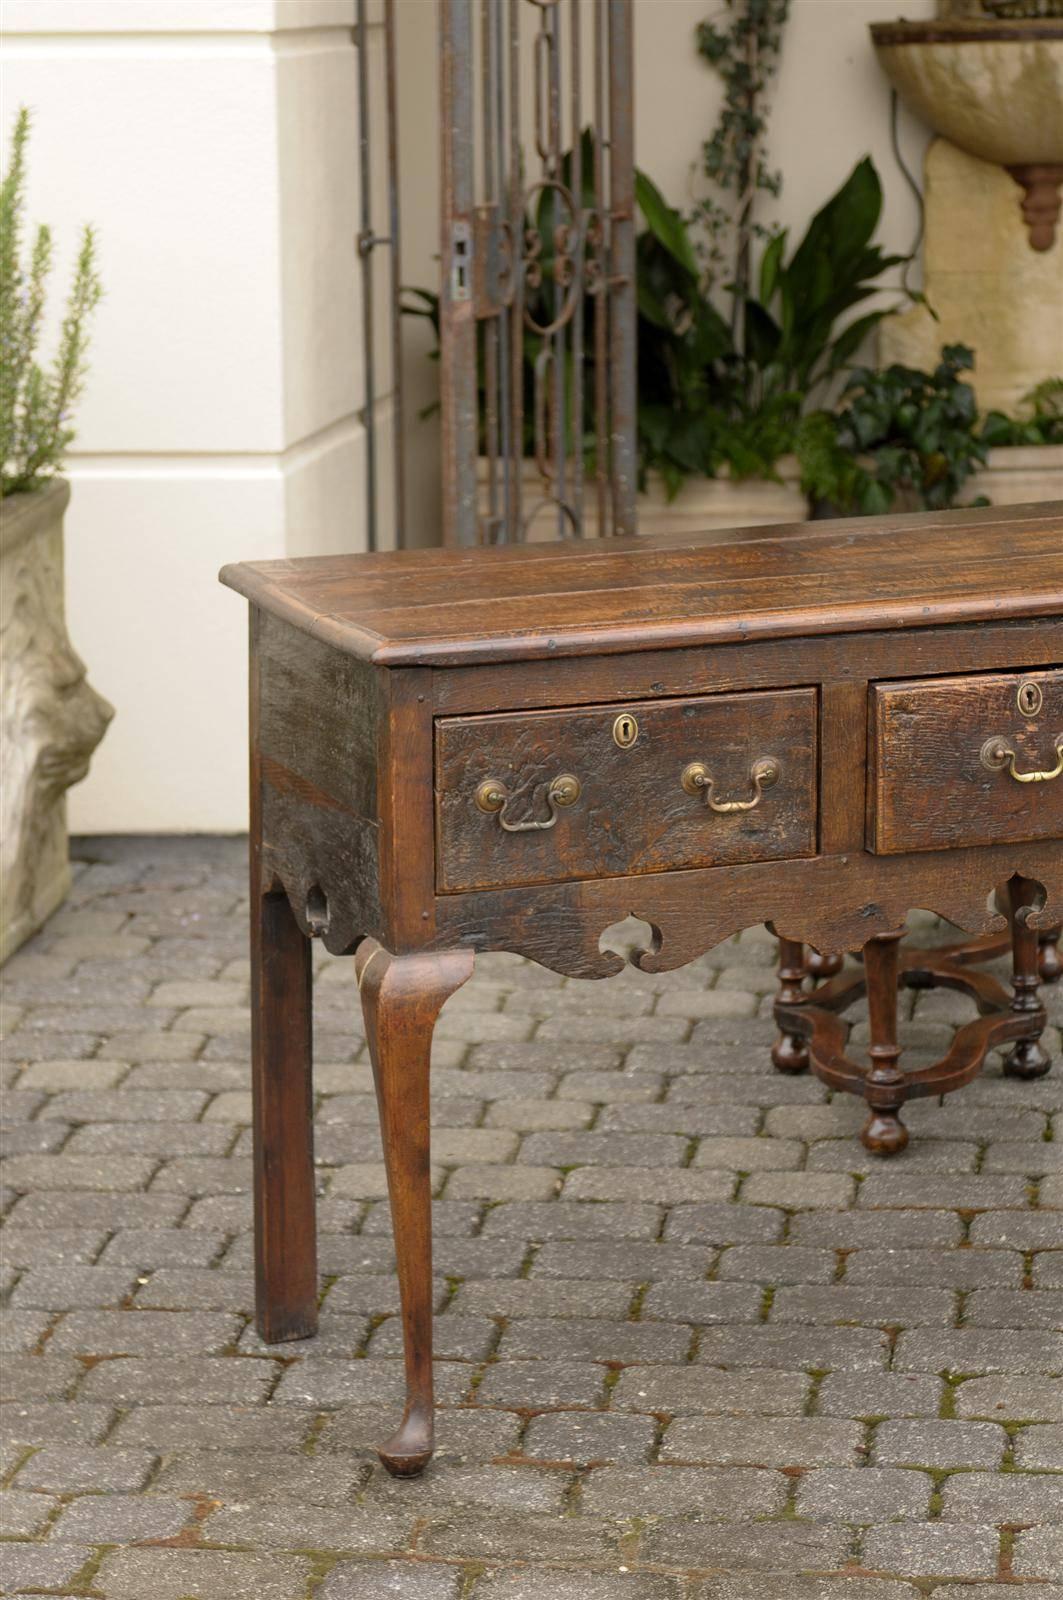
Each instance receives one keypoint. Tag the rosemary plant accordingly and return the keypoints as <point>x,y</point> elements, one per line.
<point>36,406</point>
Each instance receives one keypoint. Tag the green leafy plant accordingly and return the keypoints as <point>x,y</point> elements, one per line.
<point>904,438</point>
<point>1040,420</point>
<point>706,400</point>
<point>745,52</point>
<point>36,406</point>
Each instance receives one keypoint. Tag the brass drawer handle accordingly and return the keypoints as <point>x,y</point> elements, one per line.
<point>997,755</point>
<point>697,779</point>
<point>493,796</point>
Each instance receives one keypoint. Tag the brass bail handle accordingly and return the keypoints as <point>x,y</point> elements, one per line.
<point>492,796</point>
<point>998,756</point>
<point>697,779</point>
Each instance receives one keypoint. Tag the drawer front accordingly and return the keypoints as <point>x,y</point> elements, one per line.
<point>612,790</point>
<point>966,761</point>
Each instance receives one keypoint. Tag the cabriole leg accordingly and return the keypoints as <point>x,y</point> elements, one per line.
<point>1026,1058</point>
<point>282,1117</point>
<point>789,1053</point>
<point>401,998</point>
<point>883,1133</point>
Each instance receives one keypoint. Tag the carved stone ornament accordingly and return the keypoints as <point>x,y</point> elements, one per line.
<point>51,720</point>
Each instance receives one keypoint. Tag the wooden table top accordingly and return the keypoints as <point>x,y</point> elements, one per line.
<point>522,602</point>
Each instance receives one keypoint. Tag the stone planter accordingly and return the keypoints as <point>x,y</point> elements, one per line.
<point>1020,474</point>
<point>701,503</point>
<point>51,720</point>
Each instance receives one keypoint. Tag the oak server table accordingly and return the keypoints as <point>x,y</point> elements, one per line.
<point>816,727</point>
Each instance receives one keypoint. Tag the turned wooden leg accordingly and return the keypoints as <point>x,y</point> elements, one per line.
<point>1049,963</point>
<point>1026,1058</point>
<point>883,1133</point>
<point>789,1053</point>
<point>282,1120</point>
<point>401,998</point>
<point>821,966</point>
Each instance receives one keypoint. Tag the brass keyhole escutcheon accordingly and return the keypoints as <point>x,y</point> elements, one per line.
<point>1030,698</point>
<point>625,730</point>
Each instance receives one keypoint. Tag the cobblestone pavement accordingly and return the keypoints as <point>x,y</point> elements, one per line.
<point>694,1344</point>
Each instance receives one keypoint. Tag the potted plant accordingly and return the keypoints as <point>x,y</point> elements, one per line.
<point>51,720</point>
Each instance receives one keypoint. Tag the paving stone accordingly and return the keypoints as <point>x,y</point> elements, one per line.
<point>604,1149</point>
<point>939,1443</point>
<point>55,1422</point>
<point>61,1288</point>
<point>149,1248</point>
<point>591,1339</point>
<point>30,1138</point>
<point>41,1247</point>
<point>866,1496</point>
<point>933,1550</point>
<point>203,1380</point>
<point>456,1338</point>
<point>78,1172</point>
<point>38,1377</point>
<point>542,1385</point>
<point>926,1155</point>
<point>539,1115</point>
<point>703,1302</point>
<point>505,1183</point>
<point>1038,1553</point>
<point>23,1515</point>
<point>121,1518</point>
<point>957,1269</point>
<point>978,1350</point>
<point>724,1224</point>
<point>856,1303</point>
<point>51,1210</point>
<point>879,1394</point>
<point>547,1297</point>
<point>201,1575</point>
<point>773,1264</point>
<point>218,1427</point>
<point>665,1186</point>
<point>114,1333</point>
<point>1011,1399</point>
<point>338,1335</point>
<point>1015,1308</point>
<point>997,1497</point>
<point>713,1494</point>
<point>325,1385</point>
<point>763,1442</point>
<point>641,1263</point>
<point>588,1436</point>
<point>797,1190</point>
<point>895,1190</point>
<point>259,1475</point>
<point>690,1121</point>
<point>1048,1269</point>
<point>391,1580</point>
<point>555,1584</point>
<point>450,1485</point>
<point>305,1527</point>
<point>833,1349</point>
<point>1041,1446</point>
<point>149,1138</point>
<point>32,1567</point>
<point>126,1105</point>
<point>70,1469</point>
<point>790,1586</point>
<point>197,1175</point>
<point>560,1219</point>
<point>855,1230</point>
<point>759,1546</point>
<point>54,1077</point>
<point>676,1391</point>
<point>619,1087</point>
<point>21,1331</point>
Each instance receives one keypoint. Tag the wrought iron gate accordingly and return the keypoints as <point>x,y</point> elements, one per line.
<point>537,291</point>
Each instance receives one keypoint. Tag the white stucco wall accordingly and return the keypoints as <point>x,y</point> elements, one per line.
<point>214,145</point>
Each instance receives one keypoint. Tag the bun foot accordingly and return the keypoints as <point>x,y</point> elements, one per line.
<point>823,966</point>
<point>409,1451</point>
<point>1026,1059</point>
<point>884,1134</point>
<point>789,1053</point>
<point>1049,964</point>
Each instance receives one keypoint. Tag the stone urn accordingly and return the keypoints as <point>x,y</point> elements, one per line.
<point>51,720</point>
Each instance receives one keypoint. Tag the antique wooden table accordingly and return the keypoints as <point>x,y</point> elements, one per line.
<point>817,727</point>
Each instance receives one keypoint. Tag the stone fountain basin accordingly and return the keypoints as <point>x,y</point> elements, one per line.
<point>993,88</point>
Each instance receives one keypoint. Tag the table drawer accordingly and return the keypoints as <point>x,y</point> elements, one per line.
<point>603,791</point>
<point>966,761</point>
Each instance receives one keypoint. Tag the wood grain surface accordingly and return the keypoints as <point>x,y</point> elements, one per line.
<point>633,814</point>
<point>928,788</point>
